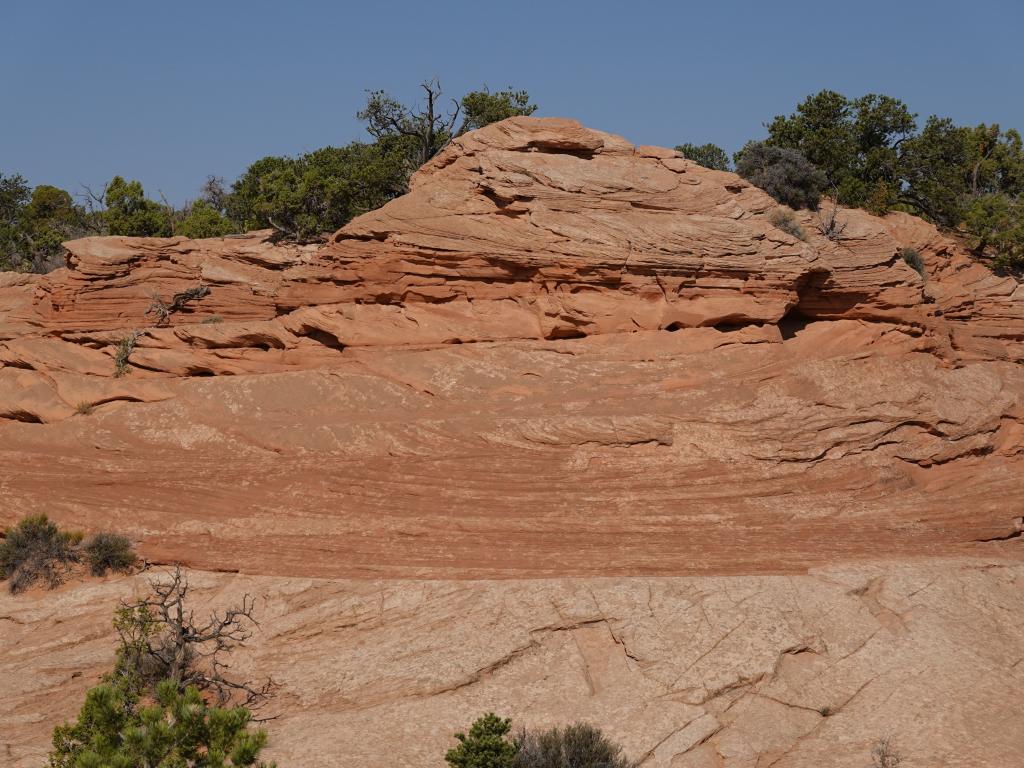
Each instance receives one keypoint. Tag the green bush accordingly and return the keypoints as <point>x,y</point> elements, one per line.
<point>36,549</point>
<point>785,174</point>
<point>178,730</point>
<point>480,108</point>
<point>34,223</point>
<point>109,552</point>
<point>854,142</point>
<point>200,219</point>
<point>709,155</point>
<point>308,197</point>
<point>129,212</point>
<point>485,746</point>
<point>786,221</point>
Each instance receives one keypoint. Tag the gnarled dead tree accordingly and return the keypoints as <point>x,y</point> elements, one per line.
<point>163,310</point>
<point>426,126</point>
<point>161,640</point>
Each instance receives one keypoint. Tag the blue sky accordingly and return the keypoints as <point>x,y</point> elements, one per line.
<point>169,93</point>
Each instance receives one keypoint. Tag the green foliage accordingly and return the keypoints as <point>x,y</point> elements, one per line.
<point>872,155</point>
<point>34,223</point>
<point>109,552</point>
<point>932,167</point>
<point>709,155</point>
<point>575,746</point>
<point>784,219</point>
<point>995,223</point>
<point>178,730</point>
<point>422,130</point>
<point>129,212</point>
<point>785,174</point>
<point>123,353</point>
<point>200,219</point>
<point>319,192</point>
<point>14,196</point>
<point>485,746</point>
<point>854,142</point>
<point>480,108</point>
<point>36,549</point>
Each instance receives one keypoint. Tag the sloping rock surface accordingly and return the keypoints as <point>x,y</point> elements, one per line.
<point>563,357</point>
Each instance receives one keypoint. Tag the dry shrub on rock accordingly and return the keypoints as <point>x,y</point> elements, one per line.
<point>37,550</point>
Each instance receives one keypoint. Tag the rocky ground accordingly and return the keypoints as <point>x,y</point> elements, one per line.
<point>571,430</point>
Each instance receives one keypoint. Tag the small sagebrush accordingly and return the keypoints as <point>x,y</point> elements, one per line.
<point>84,408</point>
<point>109,552</point>
<point>785,220</point>
<point>579,745</point>
<point>830,225</point>
<point>125,347</point>
<point>36,549</point>
<point>884,754</point>
<point>913,259</point>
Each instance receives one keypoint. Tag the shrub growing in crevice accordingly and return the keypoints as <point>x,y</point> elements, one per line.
<point>163,310</point>
<point>913,259</point>
<point>123,353</point>
<point>830,225</point>
<point>885,755</point>
<point>785,220</point>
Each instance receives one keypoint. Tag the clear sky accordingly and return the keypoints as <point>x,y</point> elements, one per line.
<point>169,93</point>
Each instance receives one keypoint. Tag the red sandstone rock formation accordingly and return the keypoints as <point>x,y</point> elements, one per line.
<point>558,356</point>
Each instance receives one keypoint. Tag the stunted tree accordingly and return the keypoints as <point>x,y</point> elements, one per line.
<point>426,126</point>
<point>709,155</point>
<point>309,196</point>
<point>480,108</point>
<point>161,639</point>
<point>171,728</point>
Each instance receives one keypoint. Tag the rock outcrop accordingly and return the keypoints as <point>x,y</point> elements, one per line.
<point>768,476</point>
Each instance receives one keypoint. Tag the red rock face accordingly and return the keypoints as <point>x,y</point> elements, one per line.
<point>558,356</point>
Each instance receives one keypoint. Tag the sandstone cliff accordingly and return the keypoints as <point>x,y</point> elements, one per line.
<point>765,476</point>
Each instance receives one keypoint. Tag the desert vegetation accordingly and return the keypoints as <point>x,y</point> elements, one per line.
<point>301,197</point>
<point>785,219</point>
<point>867,152</point>
<point>154,707</point>
<point>123,353</point>
<point>36,550</point>
<point>489,744</point>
